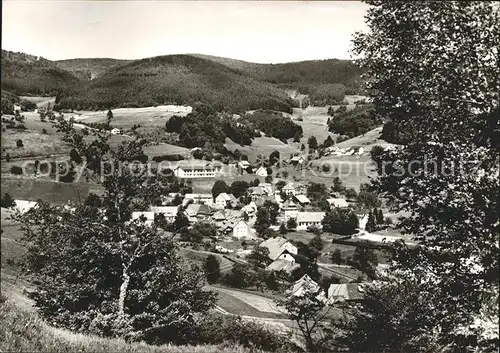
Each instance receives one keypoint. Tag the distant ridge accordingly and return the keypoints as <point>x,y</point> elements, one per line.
<point>230,84</point>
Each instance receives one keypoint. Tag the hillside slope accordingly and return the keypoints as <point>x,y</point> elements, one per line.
<point>299,75</point>
<point>29,74</point>
<point>179,79</point>
<point>89,68</point>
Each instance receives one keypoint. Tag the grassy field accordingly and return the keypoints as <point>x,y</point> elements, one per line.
<point>34,189</point>
<point>34,144</point>
<point>127,117</point>
<point>247,304</point>
<point>263,146</point>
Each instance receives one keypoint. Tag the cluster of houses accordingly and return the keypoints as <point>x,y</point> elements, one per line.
<point>350,151</point>
<point>237,222</point>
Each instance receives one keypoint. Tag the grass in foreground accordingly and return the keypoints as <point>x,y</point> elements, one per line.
<point>24,331</point>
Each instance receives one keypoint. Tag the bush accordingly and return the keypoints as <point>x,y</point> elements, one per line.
<point>7,201</point>
<point>44,131</point>
<point>19,143</point>
<point>220,329</point>
<point>16,170</point>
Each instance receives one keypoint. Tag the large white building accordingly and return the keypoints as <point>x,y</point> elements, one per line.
<point>309,219</point>
<point>194,168</point>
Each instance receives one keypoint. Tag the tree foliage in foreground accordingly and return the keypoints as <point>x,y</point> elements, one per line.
<point>432,68</point>
<point>101,272</point>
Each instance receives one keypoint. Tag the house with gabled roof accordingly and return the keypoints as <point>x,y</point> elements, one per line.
<point>223,200</point>
<point>198,212</point>
<point>241,230</point>
<point>290,209</point>
<point>280,248</point>
<point>261,171</point>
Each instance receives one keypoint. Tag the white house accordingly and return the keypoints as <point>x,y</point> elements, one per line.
<point>116,131</point>
<point>290,209</point>
<point>224,199</point>
<point>261,171</point>
<point>337,202</point>
<point>242,230</point>
<point>170,212</point>
<point>150,217</point>
<point>280,248</point>
<point>309,219</point>
<point>194,168</point>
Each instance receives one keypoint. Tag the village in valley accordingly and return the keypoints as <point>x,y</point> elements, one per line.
<point>198,203</point>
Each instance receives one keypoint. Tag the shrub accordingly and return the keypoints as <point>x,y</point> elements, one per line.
<point>19,143</point>
<point>44,131</point>
<point>7,201</point>
<point>16,170</point>
<point>220,329</point>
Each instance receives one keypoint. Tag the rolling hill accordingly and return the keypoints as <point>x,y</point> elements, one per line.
<point>29,74</point>
<point>89,68</point>
<point>230,84</point>
<point>309,77</point>
<point>179,79</point>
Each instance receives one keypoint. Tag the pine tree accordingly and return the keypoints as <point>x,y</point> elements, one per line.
<point>370,224</point>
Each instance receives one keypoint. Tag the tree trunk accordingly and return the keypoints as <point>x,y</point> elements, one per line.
<point>123,293</point>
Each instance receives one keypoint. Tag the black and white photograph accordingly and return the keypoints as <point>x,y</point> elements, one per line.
<point>250,176</point>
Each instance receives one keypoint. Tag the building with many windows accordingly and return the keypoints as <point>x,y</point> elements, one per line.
<point>194,168</point>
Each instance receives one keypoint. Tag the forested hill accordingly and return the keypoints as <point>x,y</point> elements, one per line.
<point>89,68</point>
<point>179,79</point>
<point>29,74</point>
<point>301,75</point>
<point>233,85</point>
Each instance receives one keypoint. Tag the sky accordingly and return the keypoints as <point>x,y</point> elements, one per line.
<point>256,31</point>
